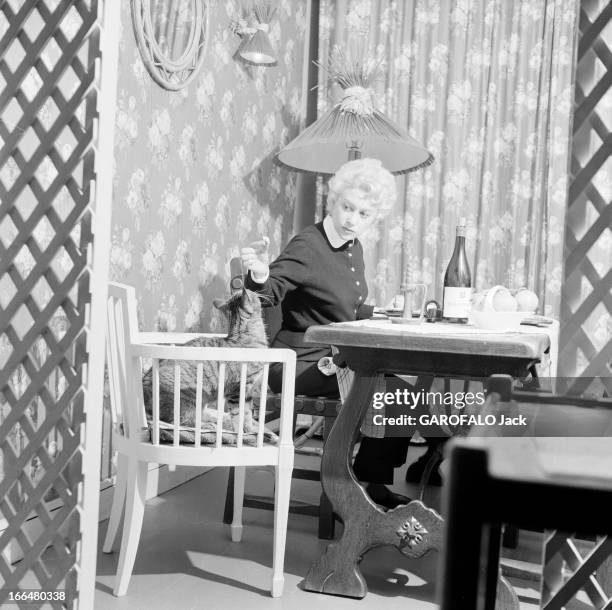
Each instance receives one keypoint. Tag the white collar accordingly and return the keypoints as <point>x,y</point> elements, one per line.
<point>332,235</point>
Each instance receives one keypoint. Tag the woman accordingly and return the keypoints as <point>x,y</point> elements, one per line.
<point>319,279</point>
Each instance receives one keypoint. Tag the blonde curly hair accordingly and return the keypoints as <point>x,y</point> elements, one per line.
<point>366,179</point>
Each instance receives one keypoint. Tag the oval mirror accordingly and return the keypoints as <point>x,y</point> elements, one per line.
<point>171,36</point>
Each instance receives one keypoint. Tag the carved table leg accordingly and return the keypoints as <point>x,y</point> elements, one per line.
<point>413,528</point>
<point>327,521</point>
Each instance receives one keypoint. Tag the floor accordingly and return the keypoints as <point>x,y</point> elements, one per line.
<point>186,560</point>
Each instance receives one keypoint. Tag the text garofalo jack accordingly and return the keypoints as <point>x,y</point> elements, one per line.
<point>403,411</point>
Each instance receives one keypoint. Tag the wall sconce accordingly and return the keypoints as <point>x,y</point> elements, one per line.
<point>253,26</point>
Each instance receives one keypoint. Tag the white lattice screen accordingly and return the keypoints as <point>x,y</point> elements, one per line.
<point>50,80</point>
<point>571,566</point>
<point>586,304</point>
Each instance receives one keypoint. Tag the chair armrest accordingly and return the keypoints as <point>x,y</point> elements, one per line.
<point>200,353</point>
<point>173,338</point>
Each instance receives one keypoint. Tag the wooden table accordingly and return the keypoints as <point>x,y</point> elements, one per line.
<point>562,484</point>
<point>371,348</point>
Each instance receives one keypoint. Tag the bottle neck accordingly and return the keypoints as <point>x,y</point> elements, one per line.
<point>459,242</point>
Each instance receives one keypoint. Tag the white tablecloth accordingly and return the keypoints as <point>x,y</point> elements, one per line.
<point>546,368</point>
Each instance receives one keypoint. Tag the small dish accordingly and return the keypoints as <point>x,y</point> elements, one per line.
<point>393,312</point>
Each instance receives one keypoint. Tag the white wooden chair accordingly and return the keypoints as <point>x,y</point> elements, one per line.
<point>138,443</point>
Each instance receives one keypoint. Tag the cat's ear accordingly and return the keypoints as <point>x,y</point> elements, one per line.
<point>220,304</point>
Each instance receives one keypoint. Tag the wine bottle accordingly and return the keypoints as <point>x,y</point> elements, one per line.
<point>457,282</point>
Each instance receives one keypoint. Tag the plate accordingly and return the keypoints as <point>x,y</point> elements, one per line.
<point>499,320</point>
<point>400,320</point>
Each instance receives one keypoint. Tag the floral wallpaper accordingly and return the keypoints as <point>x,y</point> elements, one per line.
<point>194,172</point>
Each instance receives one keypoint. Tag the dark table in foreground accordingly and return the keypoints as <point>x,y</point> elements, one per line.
<point>543,483</point>
<point>371,348</point>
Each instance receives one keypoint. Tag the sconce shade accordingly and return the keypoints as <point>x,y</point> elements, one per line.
<point>325,145</point>
<point>258,49</point>
<point>353,128</point>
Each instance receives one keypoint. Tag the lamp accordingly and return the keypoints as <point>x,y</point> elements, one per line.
<point>353,127</point>
<point>256,47</point>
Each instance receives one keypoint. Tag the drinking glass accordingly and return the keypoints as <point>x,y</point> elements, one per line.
<point>414,302</point>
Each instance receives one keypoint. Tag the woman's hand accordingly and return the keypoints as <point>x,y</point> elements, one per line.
<point>255,259</point>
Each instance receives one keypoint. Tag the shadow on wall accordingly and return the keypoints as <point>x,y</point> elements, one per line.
<point>258,180</point>
<point>210,321</point>
<point>255,183</point>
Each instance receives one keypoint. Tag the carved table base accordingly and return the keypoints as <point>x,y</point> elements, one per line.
<point>414,528</point>
<point>338,573</point>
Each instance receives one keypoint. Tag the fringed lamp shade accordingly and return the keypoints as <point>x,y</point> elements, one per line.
<point>336,137</point>
<point>353,128</point>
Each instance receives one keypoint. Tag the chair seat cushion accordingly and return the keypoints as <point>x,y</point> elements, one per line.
<point>208,434</point>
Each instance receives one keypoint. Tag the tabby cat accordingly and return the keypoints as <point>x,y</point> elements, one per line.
<point>246,330</point>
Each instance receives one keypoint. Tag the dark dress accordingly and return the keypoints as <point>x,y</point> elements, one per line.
<point>315,283</point>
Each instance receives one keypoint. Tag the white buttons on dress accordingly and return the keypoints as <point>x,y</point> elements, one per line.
<point>357,282</point>
<point>352,268</point>
<point>350,254</point>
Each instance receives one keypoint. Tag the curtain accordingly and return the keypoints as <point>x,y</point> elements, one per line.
<point>487,87</point>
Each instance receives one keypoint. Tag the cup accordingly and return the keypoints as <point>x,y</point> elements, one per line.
<point>414,302</point>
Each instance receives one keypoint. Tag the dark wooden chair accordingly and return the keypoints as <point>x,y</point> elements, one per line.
<point>491,483</point>
<point>306,405</point>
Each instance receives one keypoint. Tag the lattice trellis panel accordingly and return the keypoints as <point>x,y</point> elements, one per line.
<point>586,304</point>
<point>570,568</point>
<point>48,112</point>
